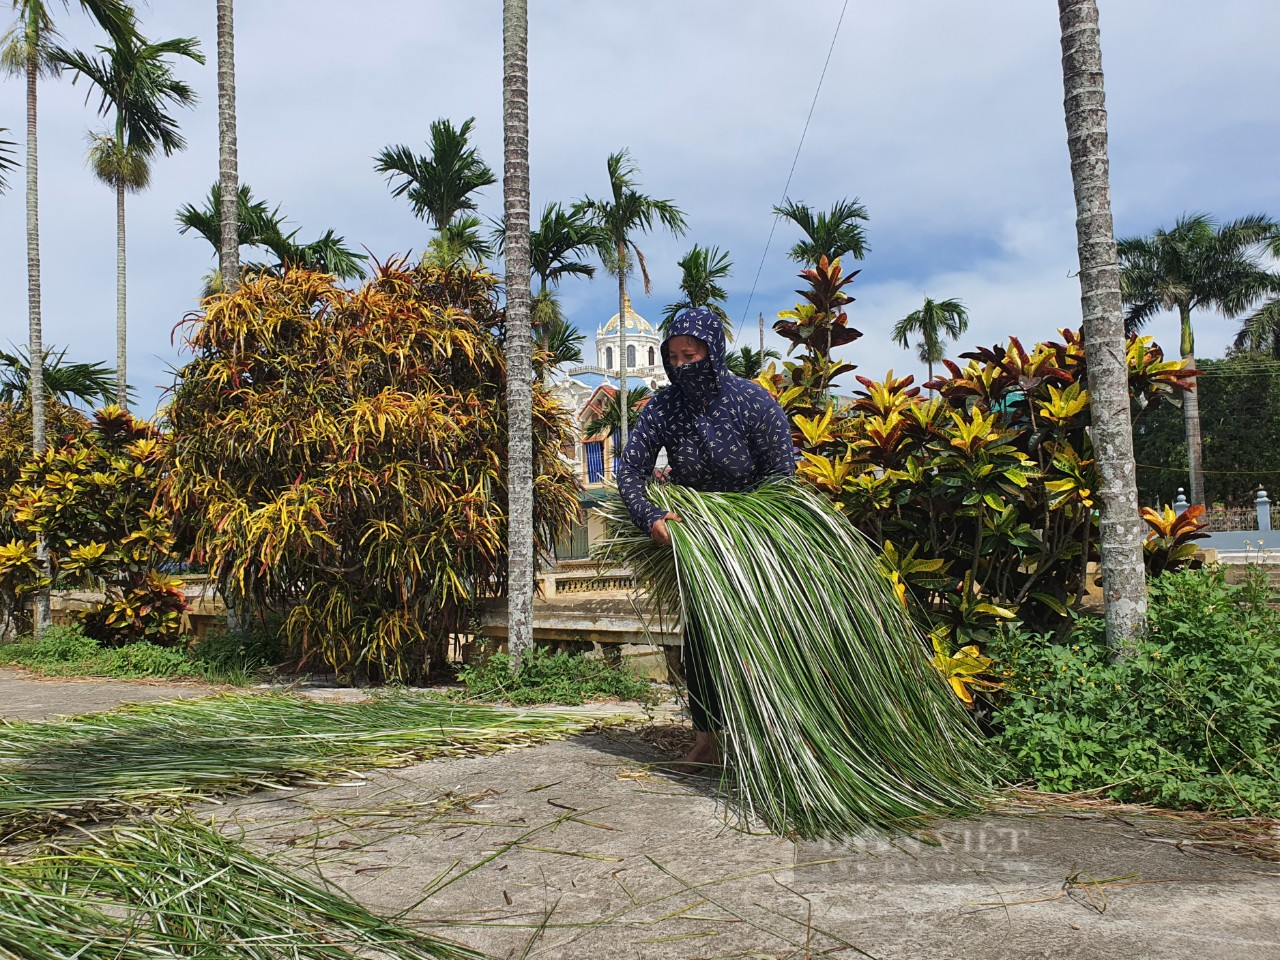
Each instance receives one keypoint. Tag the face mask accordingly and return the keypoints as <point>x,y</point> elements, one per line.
<point>696,380</point>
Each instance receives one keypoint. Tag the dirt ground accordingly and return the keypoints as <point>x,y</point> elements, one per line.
<point>587,848</point>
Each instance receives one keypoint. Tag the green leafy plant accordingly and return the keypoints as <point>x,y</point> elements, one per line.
<point>984,496</point>
<point>337,461</point>
<point>1190,720</point>
<point>545,677</point>
<point>1168,545</point>
<point>93,498</point>
<point>64,650</point>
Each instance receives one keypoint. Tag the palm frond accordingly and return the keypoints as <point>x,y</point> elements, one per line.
<point>88,383</point>
<point>439,186</point>
<point>7,164</point>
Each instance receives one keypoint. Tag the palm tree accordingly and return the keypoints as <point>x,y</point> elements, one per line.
<point>442,186</point>
<point>701,271</point>
<point>611,416</point>
<point>829,234</point>
<point>626,212</point>
<point>90,383</point>
<point>518,337</point>
<point>27,52</point>
<point>1120,527</point>
<point>459,241</point>
<point>7,164</point>
<point>137,84</point>
<point>748,363</point>
<point>556,340</point>
<point>554,248</point>
<point>228,159</point>
<point>561,238</point>
<point>1198,264</point>
<point>936,321</point>
<point>1260,331</point>
<point>258,226</point>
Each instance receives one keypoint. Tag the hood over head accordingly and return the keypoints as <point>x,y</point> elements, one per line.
<point>700,322</point>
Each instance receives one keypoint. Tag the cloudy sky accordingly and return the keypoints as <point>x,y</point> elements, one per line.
<point>944,118</point>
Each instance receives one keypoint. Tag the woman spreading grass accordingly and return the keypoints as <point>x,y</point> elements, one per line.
<point>721,433</point>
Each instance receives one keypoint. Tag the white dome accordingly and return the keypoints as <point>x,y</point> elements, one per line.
<point>635,323</point>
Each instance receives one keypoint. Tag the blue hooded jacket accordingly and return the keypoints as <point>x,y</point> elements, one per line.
<point>721,433</point>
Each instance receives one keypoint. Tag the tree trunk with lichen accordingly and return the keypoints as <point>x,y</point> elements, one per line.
<point>228,161</point>
<point>1120,529</point>
<point>519,330</point>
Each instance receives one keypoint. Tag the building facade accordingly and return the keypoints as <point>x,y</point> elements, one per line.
<point>585,391</point>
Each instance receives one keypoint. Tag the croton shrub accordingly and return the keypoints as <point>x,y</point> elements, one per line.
<point>981,492</point>
<point>339,459</point>
<point>92,496</point>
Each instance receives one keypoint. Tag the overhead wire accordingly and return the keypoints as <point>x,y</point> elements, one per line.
<point>794,160</point>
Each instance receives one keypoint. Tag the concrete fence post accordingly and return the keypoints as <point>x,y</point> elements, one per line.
<point>1180,503</point>
<point>1263,503</point>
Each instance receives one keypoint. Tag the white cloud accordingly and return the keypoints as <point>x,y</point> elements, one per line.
<point>944,118</point>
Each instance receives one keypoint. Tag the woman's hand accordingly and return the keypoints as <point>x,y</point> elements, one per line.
<point>659,529</point>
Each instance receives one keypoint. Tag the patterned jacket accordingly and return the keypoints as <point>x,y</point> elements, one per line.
<point>726,435</point>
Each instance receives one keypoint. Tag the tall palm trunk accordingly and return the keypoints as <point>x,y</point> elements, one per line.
<point>35,326</point>
<point>519,332</point>
<point>1120,533</point>
<point>1191,411</point>
<point>35,329</point>
<point>122,323</point>
<point>228,174</point>
<point>622,347</point>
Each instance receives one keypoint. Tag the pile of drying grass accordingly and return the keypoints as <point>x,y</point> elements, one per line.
<point>834,719</point>
<point>167,754</point>
<point>179,888</point>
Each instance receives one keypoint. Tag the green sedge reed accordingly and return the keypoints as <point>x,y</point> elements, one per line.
<point>834,719</point>
<point>178,888</point>
<point>167,753</point>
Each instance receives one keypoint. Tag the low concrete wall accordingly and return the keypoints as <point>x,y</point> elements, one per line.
<point>205,609</point>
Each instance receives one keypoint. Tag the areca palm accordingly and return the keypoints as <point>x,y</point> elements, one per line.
<point>441,186</point>
<point>554,337</point>
<point>609,419</point>
<point>749,363</point>
<point>27,49</point>
<point>701,271</point>
<point>936,321</point>
<point>259,226</point>
<point>459,240</point>
<point>137,84</point>
<point>562,237</point>
<point>625,212</point>
<point>89,383</point>
<point>830,234</point>
<point>1199,264</point>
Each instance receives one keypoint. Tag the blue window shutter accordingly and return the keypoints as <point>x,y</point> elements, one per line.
<point>595,461</point>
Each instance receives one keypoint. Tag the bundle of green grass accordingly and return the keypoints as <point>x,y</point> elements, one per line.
<point>834,718</point>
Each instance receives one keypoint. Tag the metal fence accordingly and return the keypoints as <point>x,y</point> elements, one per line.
<point>1224,519</point>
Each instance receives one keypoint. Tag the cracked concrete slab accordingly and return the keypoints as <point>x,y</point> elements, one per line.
<point>586,848</point>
